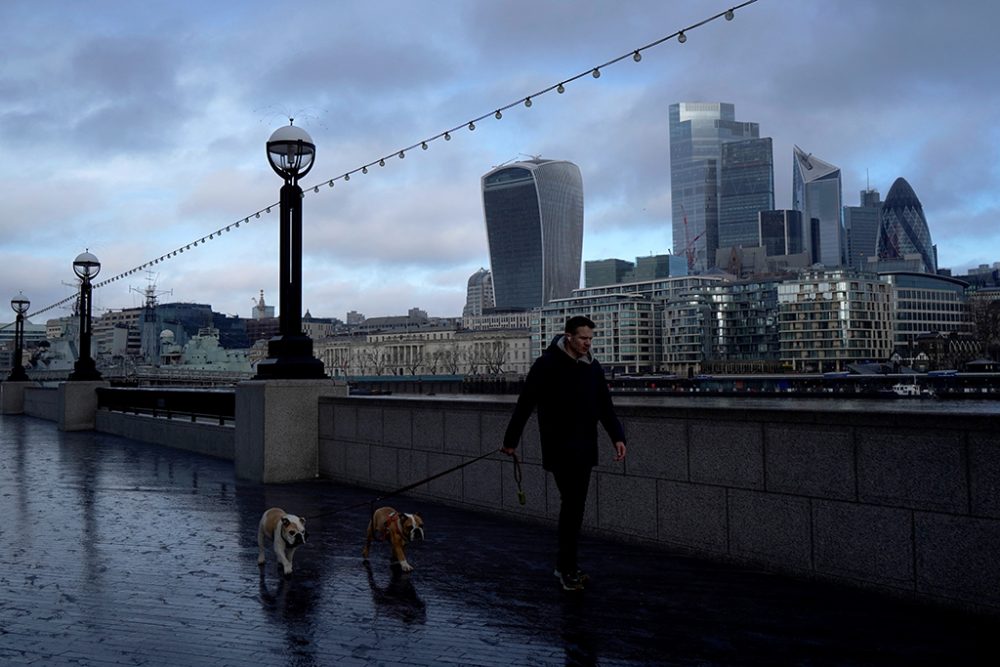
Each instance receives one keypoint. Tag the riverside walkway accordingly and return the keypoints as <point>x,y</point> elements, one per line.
<point>117,552</point>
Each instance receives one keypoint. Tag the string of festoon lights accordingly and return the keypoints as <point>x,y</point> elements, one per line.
<point>424,144</point>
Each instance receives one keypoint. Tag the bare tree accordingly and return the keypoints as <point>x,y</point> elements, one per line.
<point>985,317</point>
<point>416,360</point>
<point>452,358</point>
<point>494,356</point>
<point>375,357</point>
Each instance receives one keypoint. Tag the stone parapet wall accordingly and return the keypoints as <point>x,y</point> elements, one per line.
<point>902,500</point>
<point>42,402</point>
<point>201,437</point>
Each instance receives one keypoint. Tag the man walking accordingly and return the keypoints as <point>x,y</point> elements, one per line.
<point>568,387</point>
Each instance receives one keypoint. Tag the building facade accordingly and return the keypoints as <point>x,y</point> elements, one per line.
<point>427,352</point>
<point>626,334</point>
<point>746,187</point>
<point>606,272</point>
<point>780,232</point>
<point>903,229</point>
<point>534,225</point>
<point>817,193</point>
<point>697,132</point>
<point>479,293</point>
<point>927,304</point>
<point>861,225</point>
<point>830,319</point>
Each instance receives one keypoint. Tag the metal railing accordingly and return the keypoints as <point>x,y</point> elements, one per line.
<point>216,405</point>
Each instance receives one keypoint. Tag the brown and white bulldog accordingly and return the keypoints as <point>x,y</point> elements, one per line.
<point>286,532</point>
<point>399,528</point>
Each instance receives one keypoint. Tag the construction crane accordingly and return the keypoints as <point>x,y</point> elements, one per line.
<point>689,242</point>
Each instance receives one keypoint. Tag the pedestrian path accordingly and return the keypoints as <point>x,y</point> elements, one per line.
<point>116,552</point>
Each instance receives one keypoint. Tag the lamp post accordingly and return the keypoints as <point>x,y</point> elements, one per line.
<point>86,267</point>
<point>20,305</point>
<point>291,153</point>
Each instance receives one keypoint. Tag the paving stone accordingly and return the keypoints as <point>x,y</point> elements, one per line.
<point>115,552</point>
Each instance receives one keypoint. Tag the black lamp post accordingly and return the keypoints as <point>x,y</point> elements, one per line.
<point>20,306</point>
<point>290,152</point>
<point>86,267</point>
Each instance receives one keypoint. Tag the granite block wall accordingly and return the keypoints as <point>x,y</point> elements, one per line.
<point>902,500</point>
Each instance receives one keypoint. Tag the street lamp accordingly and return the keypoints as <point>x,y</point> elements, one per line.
<point>291,153</point>
<point>20,305</point>
<point>86,267</point>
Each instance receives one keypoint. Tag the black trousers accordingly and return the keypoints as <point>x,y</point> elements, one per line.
<point>573,484</point>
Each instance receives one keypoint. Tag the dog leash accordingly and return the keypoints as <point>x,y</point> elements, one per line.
<point>371,503</point>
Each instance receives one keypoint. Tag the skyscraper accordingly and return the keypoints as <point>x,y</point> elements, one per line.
<point>816,191</point>
<point>780,232</point>
<point>861,226</point>
<point>479,295</point>
<point>903,229</point>
<point>534,225</point>
<point>746,187</point>
<point>697,132</point>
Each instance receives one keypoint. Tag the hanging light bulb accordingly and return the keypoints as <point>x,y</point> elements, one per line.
<point>597,72</point>
<point>637,56</point>
<point>423,144</point>
<point>246,219</point>
<point>257,214</point>
<point>527,101</point>
<point>315,189</point>
<point>472,126</point>
<point>729,14</point>
<point>560,89</point>
<point>347,177</point>
<point>447,136</point>
<point>681,37</point>
<point>381,162</point>
<point>498,115</point>
<point>364,170</point>
<point>402,155</point>
<point>330,183</point>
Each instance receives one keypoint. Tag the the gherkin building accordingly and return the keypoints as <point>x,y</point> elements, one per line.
<point>903,228</point>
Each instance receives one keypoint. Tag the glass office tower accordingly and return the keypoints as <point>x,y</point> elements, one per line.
<point>746,187</point>
<point>861,226</point>
<point>816,191</point>
<point>903,228</point>
<point>534,225</point>
<point>697,132</point>
<point>780,232</point>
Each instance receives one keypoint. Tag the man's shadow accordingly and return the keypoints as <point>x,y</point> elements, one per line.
<point>579,636</point>
<point>398,598</point>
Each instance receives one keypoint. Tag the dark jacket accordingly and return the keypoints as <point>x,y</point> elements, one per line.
<point>572,397</point>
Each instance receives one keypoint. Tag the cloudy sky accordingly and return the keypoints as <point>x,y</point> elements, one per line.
<point>136,128</point>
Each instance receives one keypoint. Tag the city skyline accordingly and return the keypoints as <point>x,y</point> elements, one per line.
<point>132,131</point>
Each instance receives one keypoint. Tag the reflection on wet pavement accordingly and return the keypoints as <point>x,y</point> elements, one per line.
<point>116,552</point>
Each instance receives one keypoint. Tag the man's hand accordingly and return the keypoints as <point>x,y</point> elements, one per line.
<point>619,451</point>
<point>509,451</point>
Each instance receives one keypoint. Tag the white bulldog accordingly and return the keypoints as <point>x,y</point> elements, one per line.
<point>286,532</point>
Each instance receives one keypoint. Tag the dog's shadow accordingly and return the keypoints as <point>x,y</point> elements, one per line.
<point>398,598</point>
<point>288,599</point>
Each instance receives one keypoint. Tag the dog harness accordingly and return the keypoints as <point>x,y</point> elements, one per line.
<point>391,519</point>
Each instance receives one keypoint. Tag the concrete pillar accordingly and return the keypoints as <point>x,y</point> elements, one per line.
<point>12,397</point>
<point>277,428</point>
<point>78,404</point>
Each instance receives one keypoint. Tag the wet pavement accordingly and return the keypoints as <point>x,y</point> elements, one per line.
<point>116,552</point>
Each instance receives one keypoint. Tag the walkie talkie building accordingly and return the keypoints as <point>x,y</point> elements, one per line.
<point>534,225</point>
